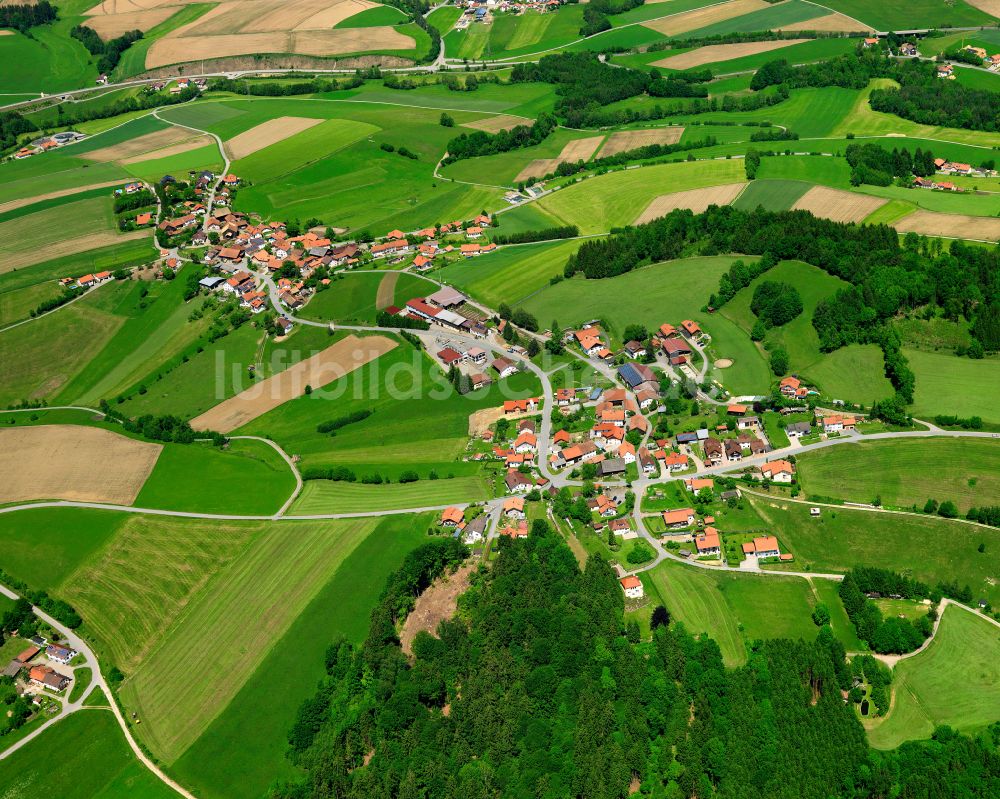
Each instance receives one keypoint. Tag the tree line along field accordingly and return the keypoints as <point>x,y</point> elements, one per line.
<point>150,588</point>
<point>926,693</point>
<point>930,549</point>
<point>904,473</point>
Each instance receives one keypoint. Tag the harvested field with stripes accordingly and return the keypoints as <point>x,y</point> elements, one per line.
<point>140,145</point>
<point>266,134</point>
<point>576,150</point>
<point>840,206</point>
<point>73,462</point>
<point>625,140</point>
<point>696,200</point>
<point>722,52</point>
<point>703,17</point>
<point>833,23</point>
<point>497,123</point>
<point>954,226</point>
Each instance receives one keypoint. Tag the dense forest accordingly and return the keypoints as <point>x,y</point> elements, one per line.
<point>23,17</point>
<point>110,51</point>
<point>538,689</point>
<point>887,276</point>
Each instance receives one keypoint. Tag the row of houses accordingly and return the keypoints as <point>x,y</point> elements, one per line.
<point>44,144</point>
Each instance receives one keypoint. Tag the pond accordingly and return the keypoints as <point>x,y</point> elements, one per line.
<point>864,707</point>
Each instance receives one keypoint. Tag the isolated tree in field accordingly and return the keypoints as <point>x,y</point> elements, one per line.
<point>447,121</point>
<point>821,615</point>
<point>931,506</point>
<point>948,510</point>
<point>660,617</point>
<point>533,347</point>
<point>779,361</point>
<point>635,333</point>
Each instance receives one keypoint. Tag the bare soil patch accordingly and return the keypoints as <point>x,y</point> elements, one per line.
<point>350,40</point>
<point>538,168</point>
<point>496,123</point>
<point>625,140</point>
<point>172,50</point>
<point>57,248</point>
<point>12,204</point>
<point>722,52</point>
<point>111,26</point>
<point>702,17</point>
<point>840,206</point>
<point>266,134</point>
<point>174,149</point>
<point>696,200</point>
<point>480,421</point>
<point>437,603</point>
<point>829,22</point>
<point>723,363</point>
<point>139,145</point>
<point>386,290</point>
<point>320,370</point>
<point>73,462</point>
<point>991,7</point>
<point>126,6</point>
<point>581,149</point>
<point>958,226</point>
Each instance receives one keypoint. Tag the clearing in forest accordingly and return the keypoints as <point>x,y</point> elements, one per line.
<point>266,134</point>
<point>703,17</point>
<point>696,200</point>
<point>437,603</point>
<point>721,52</point>
<point>73,462</point>
<point>321,369</point>
<point>837,205</point>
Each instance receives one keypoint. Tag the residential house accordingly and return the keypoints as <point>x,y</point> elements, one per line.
<point>475,531</point>
<point>513,508</point>
<point>780,471</point>
<point>561,437</point>
<point>503,367</point>
<point>734,451</point>
<point>517,483</point>
<point>682,517</point>
<point>565,396</point>
<point>520,406</point>
<point>698,484</point>
<point>747,423</point>
<point>579,453</point>
<point>60,654</point>
<point>675,462</point>
<point>526,442</point>
<point>798,429</point>
<point>736,410</point>
<point>613,467</point>
<point>635,349</point>
<point>713,451</point>
<point>708,542</point>
<point>518,530</point>
<point>627,452</point>
<point>837,424</point>
<point>690,329</point>
<point>449,357</point>
<point>619,526</point>
<point>635,374</point>
<point>452,517</point>
<point>632,586</point>
<point>763,546</point>
<point>646,461</point>
<point>48,678</point>
<point>602,505</point>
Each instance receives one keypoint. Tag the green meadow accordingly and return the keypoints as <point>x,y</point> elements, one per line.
<point>905,15</point>
<point>955,681</point>
<point>354,297</point>
<point>904,472</point>
<point>947,384</point>
<point>928,548</point>
<point>324,496</point>
<point>771,18</point>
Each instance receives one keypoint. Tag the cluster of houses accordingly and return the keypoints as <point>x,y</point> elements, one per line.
<point>991,62</point>
<point>45,143</point>
<point>944,167</point>
<point>471,532</point>
<point>85,281</point>
<point>35,661</point>
<point>444,308</point>
<point>674,342</point>
<point>397,244</point>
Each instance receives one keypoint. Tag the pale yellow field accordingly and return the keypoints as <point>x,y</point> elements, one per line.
<point>266,134</point>
<point>538,168</point>
<point>140,145</point>
<point>174,149</point>
<point>497,123</point>
<point>249,27</point>
<point>702,17</point>
<point>631,139</point>
<point>835,22</point>
<point>696,200</point>
<point>73,462</point>
<point>956,226</point>
<point>580,149</point>
<point>840,206</point>
<point>111,26</point>
<point>321,369</point>
<point>991,7</point>
<point>722,52</point>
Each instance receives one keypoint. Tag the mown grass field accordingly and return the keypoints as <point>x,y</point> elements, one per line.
<point>902,15</point>
<point>826,591</point>
<point>73,219</point>
<point>201,478</point>
<point>511,274</point>
<point>354,298</point>
<point>853,373</point>
<point>906,472</point>
<point>417,423</point>
<point>734,609</point>
<point>242,751</point>
<point>955,681</point>
<point>597,204</point>
<point>928,548</point>
<point>239,615</point>
<point>947,384</point>
<point>771,195</point>
<point>94,761</point>
<point>323,496</point>
<point>770,18</point>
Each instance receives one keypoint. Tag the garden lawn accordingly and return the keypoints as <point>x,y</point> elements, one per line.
<point>597,204</point>
<point>930,549</point>
<point>955,681</point>
<point>947,384</point>
<point>904,472</point>
<point>324,496</point>
<point>734,609</point>
<point>202,478</point>
<point>275,578</point>
<point>243,750</point>
<point>94,762</point>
